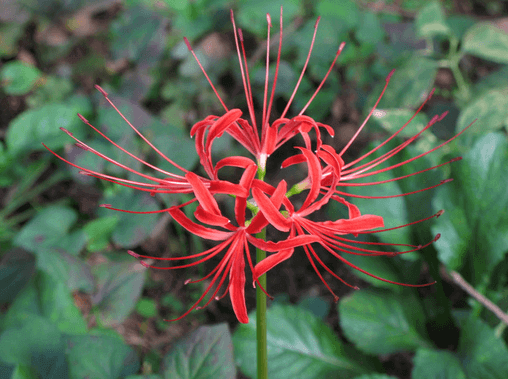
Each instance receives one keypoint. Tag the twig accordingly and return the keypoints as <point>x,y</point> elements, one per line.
<point>478,296</point>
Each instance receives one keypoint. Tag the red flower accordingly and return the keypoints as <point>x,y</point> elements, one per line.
<point>263,144</point>
<point>234,243</point>
<point>172,183</point>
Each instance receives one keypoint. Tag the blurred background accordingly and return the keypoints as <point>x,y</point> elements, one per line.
<point>74,304</point>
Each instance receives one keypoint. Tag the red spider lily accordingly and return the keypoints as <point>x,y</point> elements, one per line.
<point>324,182</point>
<point>172,183</point>
<point>234,243</point>
<point>263,144</point>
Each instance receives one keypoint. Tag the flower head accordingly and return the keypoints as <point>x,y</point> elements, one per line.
<point>327,174</point>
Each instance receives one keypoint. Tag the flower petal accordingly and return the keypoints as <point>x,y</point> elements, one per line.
<point>202,193</point>
<point>237,284</point>
<point>357,224</point>
<point>269,210</point>
<point>199,230</point>
<point>210,218</point>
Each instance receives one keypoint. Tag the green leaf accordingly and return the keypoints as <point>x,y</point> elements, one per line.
<point>430,21</point>
<point>344,12</point>
<point>10,32</point>
<point>16,269</point>
<point>490,110</point>
<point>37,344</point>
<point>18,78</point>
<point>409,85</point>
<point>46,228</point>
<point>30,128</point>
<point>436,364</point>
<point>138,35</point>
<point>317,305</point>
<point>370,29</point>
<point>147,307</point>
<point>393,119</point>
<point>207,353</point>
<point>134,228</point>
<point>300,345</point>
<point>119,286</point>
<point>98,232</point>
<point>375,376</point>
<point>72,271</point>
<point>475,225</point>
<point>486,41</point>
<point>25,306</point>
<point>58,305</point>
<point>100,356</point>
<point>382,322</point>
<point>249,18</point>
<point>483,355</point>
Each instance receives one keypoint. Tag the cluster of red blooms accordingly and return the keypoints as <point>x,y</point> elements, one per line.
<point>327,173</point>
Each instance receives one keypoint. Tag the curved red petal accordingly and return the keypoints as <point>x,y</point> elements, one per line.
<point>199,230</point>
<point>237,285</point>
<point>202,193</point>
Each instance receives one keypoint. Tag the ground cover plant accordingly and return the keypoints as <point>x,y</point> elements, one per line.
<point>75,304</point>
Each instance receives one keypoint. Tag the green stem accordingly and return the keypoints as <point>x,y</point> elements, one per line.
<point>262,354</point>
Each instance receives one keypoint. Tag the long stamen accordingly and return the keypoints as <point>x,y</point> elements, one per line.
<point>341,47</point>
<point>104,93</point>
<point>367,118</point>
<point>304,68</point>
<point>274,85</point>
<point>250,100</point>
<point>125,151</point>
<point>341,183</point>
<point>265,94</point>
<point>204,72</point>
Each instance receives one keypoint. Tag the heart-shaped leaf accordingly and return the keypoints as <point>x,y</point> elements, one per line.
<point>380,322</point>
<point>300,345</point>
<point>207,353</point>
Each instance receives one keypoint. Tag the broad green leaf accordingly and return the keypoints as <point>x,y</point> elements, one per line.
<point>25,306</point>
<point>16,269</point>
<point>375,376</point>
<point>436,364</point>
<point>316,304</point>
<point>131,229</point>
<point>37,344</point>
<point>393,119</point>
<point>72,271</point>
<point>58,305</point>
<point>382,322</point>
<point>384,267</point>
<point>370,29</point>
<point>409,85</point>
<point>490,110</point>
<point>430,21</point>
<point>482,354</point>
<point>100,356</point>
<point>344,12</point>
<point>119,286</point>
<point>99,231</point>
<point>487,41</point>
<point>30,128</point>
<point>459,24</point>
<point>207,353</point>
<point>46,229</point>
<point>138,35</point>
<point>300,345</point>
<point>18,78</point>
<point>474,227</point>
<point>249,18</point>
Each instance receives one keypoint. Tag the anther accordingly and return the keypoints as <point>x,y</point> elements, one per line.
<point>135,255</point>
<point>82,118</point>
<point>439,213</point>
<point>105,205</point>
<point>98,88</point>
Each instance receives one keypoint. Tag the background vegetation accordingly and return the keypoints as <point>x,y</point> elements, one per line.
<point>73,304</point>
